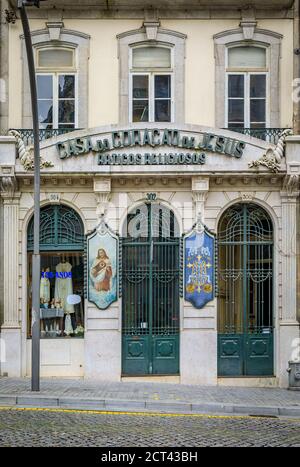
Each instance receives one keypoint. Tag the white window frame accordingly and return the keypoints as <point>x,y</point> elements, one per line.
<point>57,69</point>
<point>247,75</point>
<point>247,72</point>
<point>151,73</point>
<point>55,98</point>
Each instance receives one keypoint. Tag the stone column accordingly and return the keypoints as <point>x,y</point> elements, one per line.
<point>11,327</point>
<point>288,324</point>
<point>198,339</point>
<point>102,340</point>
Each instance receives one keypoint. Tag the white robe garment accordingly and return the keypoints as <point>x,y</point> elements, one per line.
<point>64,287</point>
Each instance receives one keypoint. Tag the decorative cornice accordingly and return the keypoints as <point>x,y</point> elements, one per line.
<point>231,32</point>
<point>71,32</point>
<point>142,30</point>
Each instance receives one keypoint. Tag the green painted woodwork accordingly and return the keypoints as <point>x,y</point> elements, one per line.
<point>245,281</point>
<point>150,294</point>
<point>61,229</point>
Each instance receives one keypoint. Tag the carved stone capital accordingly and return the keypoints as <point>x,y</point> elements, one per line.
<point>291,184</point>
<point>200,187</point>
<point>8,181</point>
<point>102,203</point>
<point>199,196</point>
<point>102,190</point>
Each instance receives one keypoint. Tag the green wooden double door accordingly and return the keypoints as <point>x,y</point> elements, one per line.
<point>150,292</point>
<point>245,301</point>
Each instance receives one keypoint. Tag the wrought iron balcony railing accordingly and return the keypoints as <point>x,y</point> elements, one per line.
<point>27,133</point>
<point>270,135</point>
<point>267,134</point>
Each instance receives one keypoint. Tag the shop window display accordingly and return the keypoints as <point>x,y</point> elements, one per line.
<point>61,286</point>
<point>62,273</point>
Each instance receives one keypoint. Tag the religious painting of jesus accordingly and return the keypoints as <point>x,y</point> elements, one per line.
<point>102,269</point>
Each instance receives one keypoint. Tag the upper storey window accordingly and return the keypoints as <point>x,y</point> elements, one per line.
<point>55,58</point>
<point>247,84</point>
<point>57,88</point>
<point>151,83</point>
<point>247,57</point>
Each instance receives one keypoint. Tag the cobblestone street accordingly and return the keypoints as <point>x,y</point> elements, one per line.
<point>29,427</point>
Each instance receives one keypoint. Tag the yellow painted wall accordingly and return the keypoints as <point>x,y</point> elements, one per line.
<point>284,27</point>
<point>199,65</point>
<point>103,67</point>
<point>15,85</point>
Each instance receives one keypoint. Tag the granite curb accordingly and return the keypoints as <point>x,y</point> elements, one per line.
<point>75,403</point>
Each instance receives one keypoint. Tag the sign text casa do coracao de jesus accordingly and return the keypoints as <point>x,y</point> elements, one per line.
<point>119,148</point>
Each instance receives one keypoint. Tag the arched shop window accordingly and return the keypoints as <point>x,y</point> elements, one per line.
<point>245,302</point>
<point>62,272</point>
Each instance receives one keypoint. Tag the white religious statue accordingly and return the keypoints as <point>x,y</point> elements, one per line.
<point>45,286</point>
<point>68,325</point>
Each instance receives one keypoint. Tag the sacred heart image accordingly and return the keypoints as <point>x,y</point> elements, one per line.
<point>102,269</point>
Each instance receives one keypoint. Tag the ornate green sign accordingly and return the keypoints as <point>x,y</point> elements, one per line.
<point>119,148</point>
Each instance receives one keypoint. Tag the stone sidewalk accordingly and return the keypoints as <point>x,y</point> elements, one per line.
<point>145,396</point>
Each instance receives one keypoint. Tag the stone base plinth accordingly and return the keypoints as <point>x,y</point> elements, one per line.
<point>10,351</point>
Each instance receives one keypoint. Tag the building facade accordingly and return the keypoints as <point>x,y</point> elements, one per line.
<point>159,127</point>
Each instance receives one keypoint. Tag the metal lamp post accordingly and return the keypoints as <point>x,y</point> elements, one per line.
<point>36,261</point>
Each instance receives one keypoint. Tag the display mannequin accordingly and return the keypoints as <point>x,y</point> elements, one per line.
<point>64,286</point>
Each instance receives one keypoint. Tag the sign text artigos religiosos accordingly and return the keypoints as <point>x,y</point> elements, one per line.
<point>120,147</point>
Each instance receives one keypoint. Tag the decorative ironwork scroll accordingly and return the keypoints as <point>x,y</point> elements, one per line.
<point>272,159</point>
<point>199,266</point>
<point>102,262</point>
